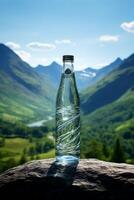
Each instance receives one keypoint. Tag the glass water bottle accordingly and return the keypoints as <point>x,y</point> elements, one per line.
<point>67,116</point>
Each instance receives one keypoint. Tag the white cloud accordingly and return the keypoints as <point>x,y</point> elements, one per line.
<point>24,55</point>
<point>40,46</point>
<point>13,45</point>
<point>128,26</point>
<point>66,41</point>
<point>17,49</point>
<point>109,38</point>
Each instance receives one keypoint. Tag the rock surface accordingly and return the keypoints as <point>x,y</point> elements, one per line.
<point>91,179</point>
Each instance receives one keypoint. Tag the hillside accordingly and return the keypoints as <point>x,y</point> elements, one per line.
<point>90,76</point>
<point>102,72</point>
<point>111,88</point>
<point>25,91</point>
<point>108,108</point>
<point>51,73</point>
<point>24,95</point>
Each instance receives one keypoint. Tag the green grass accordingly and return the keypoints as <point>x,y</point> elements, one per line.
<point>13,147</point>
<point>129,124</point>
<point>12,151</point>
<point>17,144</point>
<point>50,154</point>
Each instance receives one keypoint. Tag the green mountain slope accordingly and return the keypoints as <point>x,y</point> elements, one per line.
<point>108,108</point>
<point>111,88</point>
<point>23,94</point>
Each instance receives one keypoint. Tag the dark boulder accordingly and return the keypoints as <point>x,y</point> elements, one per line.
<point>91,179</point>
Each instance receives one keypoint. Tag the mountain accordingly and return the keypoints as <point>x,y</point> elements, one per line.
<point>111,88</point>
<point>84,78</point>
<point>23,93</point>
<point>89,76</point>
<point>102,72</point>
<point>108,108</point>
<point>51,72</point>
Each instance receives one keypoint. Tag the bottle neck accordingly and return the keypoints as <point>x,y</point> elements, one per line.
<point>68,67</point>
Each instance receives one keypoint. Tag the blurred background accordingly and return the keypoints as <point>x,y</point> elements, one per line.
<point>34,35</point>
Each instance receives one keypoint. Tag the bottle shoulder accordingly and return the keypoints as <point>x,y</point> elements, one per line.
<point>68,84</point>
<point>67,92</point>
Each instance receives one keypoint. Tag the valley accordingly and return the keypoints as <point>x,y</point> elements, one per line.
<point>107,110</point>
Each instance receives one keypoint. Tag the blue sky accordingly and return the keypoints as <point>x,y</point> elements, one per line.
<point>95,31</point>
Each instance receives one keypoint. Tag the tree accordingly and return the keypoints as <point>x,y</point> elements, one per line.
<point>37,132</point>
<point>11,162</point>
<point>48,145</point>
<point>37,157</point>
<point>94,150</point>
<point>31,151</point>
<point>2,141</point>
<point>30,138</point>
<point>39,147</point>
<point>105,150</point>
<point>44,129</point>
<point>23,157</point>
<point>118,154</point>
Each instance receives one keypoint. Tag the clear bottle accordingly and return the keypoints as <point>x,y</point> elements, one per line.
<point>67,116</point>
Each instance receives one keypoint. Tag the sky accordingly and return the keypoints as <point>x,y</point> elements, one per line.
<point>96,32</point>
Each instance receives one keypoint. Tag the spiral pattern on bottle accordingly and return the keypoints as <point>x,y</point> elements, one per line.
<point>68,134</point>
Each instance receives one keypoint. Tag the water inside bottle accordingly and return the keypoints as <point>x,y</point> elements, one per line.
<point>67,121</point>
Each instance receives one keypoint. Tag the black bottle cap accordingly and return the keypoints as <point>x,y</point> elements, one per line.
<point>68,58</point>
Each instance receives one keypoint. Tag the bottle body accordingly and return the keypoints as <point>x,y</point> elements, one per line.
<point>67,119</point>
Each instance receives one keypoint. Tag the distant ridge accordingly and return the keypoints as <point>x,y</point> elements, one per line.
<point>84,78</point>
<point>24,94</point>
<point>111,88</point>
